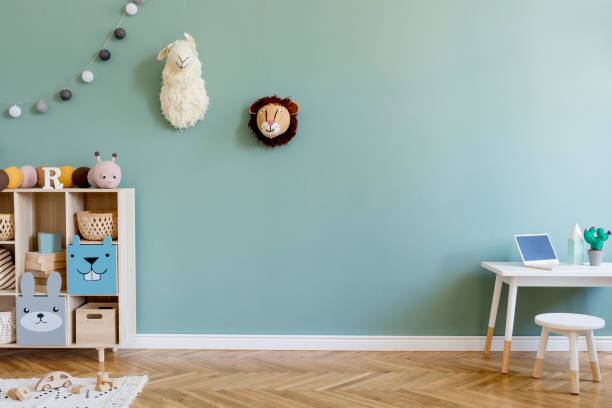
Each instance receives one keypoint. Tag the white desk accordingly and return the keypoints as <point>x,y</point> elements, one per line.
<point>515,274</point>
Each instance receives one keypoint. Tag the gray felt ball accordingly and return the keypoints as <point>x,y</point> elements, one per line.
<point>120,33</point>
<point>41,106</point>
<point>65,94</point>
<point>104,54</point>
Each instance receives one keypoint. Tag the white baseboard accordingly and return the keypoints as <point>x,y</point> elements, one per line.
<point>375,343</point>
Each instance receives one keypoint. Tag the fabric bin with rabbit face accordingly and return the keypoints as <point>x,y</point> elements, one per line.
<point>41,320</point>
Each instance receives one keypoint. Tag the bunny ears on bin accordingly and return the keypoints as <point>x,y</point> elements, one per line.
<point>54,284</point>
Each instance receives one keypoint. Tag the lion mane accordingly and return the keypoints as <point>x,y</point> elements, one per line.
<point>278,140</point>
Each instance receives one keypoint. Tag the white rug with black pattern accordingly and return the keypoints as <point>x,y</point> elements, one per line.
<point>119,397</point>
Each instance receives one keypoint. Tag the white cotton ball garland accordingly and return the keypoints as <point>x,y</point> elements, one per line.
<point>131,9</point>
<point>87,76</point>
<point>15,111</point>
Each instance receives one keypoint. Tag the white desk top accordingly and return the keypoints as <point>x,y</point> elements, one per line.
<point>518,269</point>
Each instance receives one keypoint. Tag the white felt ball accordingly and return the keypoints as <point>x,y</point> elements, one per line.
<point>87,76</point>
<point>15,111</point>
<point>131,9</point>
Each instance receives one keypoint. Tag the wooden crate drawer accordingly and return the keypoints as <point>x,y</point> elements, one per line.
<point>96,324</point>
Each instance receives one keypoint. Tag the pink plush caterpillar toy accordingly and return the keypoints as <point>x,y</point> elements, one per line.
<point>105,174</point>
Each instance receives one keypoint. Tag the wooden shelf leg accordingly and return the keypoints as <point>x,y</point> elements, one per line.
<point>100,354</point>
<point>493,315</point>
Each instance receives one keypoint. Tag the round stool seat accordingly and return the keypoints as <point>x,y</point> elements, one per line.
<point>569,321</point>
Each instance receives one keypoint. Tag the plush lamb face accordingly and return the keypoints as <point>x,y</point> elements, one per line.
<point>183,95</point>
<point>181,55</point>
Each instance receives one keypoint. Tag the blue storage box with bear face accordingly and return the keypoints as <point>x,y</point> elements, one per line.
<point>92,269</point>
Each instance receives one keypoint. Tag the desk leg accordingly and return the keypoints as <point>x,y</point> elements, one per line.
<point>509,325</point>
<point>493,315</point>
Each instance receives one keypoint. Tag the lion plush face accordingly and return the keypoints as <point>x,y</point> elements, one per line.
<point>273,120</point>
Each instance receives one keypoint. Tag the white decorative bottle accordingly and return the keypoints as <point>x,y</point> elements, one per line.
<point>575,247</point>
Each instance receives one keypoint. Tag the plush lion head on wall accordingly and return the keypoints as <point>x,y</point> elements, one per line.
<point>273,120</point>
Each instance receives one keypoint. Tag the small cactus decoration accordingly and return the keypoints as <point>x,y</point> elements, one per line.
<point>596,237</point>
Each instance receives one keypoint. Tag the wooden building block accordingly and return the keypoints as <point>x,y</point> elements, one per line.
<point>77,389</point>
<point>101,377</point>
<point>49,242</point>
<point>40,280</point>
<point>114,383</point>
<point>103,387</point>
<point>21,393</point>
<point>45,262</point>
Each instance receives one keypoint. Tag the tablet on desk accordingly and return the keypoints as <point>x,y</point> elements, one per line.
<point>538,252</point>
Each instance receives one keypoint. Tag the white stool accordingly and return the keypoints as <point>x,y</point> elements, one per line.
<point>572,326</point>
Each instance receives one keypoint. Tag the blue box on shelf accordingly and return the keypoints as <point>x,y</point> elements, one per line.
<point>49,242</point>
<point>92,268</point>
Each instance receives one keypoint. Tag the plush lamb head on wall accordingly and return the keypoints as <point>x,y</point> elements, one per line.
<point>183,95</point>
<point>273,120</point>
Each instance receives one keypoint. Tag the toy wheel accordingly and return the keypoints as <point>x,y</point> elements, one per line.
<point>67,384</point>
<point>46,387</point>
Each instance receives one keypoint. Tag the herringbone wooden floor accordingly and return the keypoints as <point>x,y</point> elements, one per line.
<point>299,379</point>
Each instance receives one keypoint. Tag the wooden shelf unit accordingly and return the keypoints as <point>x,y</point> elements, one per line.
<point>38,210</point>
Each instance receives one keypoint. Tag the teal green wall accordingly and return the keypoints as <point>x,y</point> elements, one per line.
<point>430,132</point>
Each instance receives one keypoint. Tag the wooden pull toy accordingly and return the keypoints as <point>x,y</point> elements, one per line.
<point>54,379</point>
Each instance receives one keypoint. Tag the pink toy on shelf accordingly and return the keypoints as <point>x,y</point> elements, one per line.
<point>105,174</point>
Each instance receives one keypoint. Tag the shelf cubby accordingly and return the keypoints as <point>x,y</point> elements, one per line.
<point>87,201</point>
<point>6,202</point>
<point>7,301</point>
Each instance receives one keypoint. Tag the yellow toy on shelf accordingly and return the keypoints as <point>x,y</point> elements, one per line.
<point>15,177</point>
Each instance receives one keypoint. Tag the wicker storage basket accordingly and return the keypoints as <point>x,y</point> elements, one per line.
<point>96,225</point>
<point>7,269</point>
<point>7,227</point>
<point>7,327</point>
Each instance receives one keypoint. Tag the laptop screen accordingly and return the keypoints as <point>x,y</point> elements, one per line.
<point>535,247</point>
